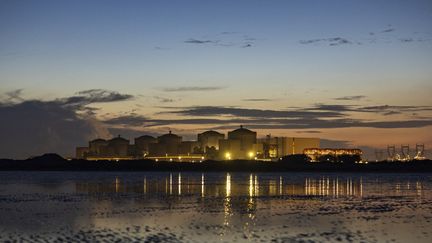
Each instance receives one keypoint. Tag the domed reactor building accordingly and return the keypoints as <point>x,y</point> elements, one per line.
<point>240,144</point>
<point>167,144</point>
<point>209,140</point>
<point>142,145</point>
<point>209,143</point>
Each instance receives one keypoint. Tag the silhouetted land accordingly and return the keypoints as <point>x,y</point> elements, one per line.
<point>53,162</point>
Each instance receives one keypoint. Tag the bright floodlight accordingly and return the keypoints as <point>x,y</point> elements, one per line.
<point>251,154</point>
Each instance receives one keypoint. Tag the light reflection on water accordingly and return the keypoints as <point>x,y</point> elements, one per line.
<point>252,185</point>
<point>225,206</point>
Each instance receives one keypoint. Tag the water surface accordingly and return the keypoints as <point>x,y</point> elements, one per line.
<point>215,207</point>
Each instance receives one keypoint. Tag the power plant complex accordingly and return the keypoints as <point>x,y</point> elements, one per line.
<point>239,144</point>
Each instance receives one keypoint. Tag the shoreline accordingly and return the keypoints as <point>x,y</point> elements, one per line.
<point>57,163</point>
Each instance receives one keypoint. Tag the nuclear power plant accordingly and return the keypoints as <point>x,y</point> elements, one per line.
<point>239,144</point>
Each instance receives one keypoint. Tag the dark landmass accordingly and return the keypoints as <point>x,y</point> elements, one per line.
<point>54,162</point>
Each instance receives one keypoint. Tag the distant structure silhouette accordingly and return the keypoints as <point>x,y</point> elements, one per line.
<point>240,144</point>
<point>391,152</point>
<point>405,152</point>
<point>420,148</point>
<point>379,155</point>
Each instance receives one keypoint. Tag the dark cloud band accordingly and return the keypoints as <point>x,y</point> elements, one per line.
<point>192,88</point>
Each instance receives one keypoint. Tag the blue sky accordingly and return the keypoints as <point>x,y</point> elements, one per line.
<point>256,55</point>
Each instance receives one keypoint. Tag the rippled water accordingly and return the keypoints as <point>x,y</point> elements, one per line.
<point>216,207</point>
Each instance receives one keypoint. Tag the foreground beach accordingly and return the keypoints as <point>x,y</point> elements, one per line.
<point>215,207</point>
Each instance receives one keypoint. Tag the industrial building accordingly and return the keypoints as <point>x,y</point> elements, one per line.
<point>165,147</point>
<point>316,153</point>
<point>142,145</point>
<point>115,148</point>
<point>167,144</point>
<point>210,140</point>
<point>81,152</point>
<point>277,147</point>
<point>240,143</point>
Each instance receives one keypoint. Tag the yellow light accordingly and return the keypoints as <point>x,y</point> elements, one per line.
<point>228,155</point>
<point>251,154</point>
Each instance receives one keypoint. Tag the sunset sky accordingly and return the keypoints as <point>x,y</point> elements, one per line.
<point>353,73</point>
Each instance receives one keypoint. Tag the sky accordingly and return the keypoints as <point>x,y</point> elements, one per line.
<point>353,73</point>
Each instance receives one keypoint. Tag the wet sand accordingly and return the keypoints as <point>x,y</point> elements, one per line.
<point>214,207</point>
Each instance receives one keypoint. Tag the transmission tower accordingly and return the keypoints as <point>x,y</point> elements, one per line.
<point>391,152</point>
<point>405,150</point>
<point>420,152</point>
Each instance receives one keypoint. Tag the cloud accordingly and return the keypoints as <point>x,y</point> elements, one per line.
<point>397,124</point>
<point>225,39</point>
<point>36,127</point>
<point>388,30</point>
<point>192,88</point>
<point>243,112</point>
<point>334,108</point>
<point>376,37</point>
<point>229,33</point>
<point>409,40</point>
<point>91,96</point>
<point>323,124</point>
<point>379,109</point>
<point>334,41</point>
<point>338,41</point>
<point>130,120</point>
<point>14,95</point>
<point>247,38</point>
<point>312,41</point>
<point>354,97</point>
<point>196,41</point>
<point>161,48</point>
<point>406,40</point>
<point>89,111</point>
<point>309,131</point>
<point>317,111</point>
<point>388,108</point>
<point>318,117</point>
<point>136,120</point>
<point>257,100</point>
<point>163,99</point>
